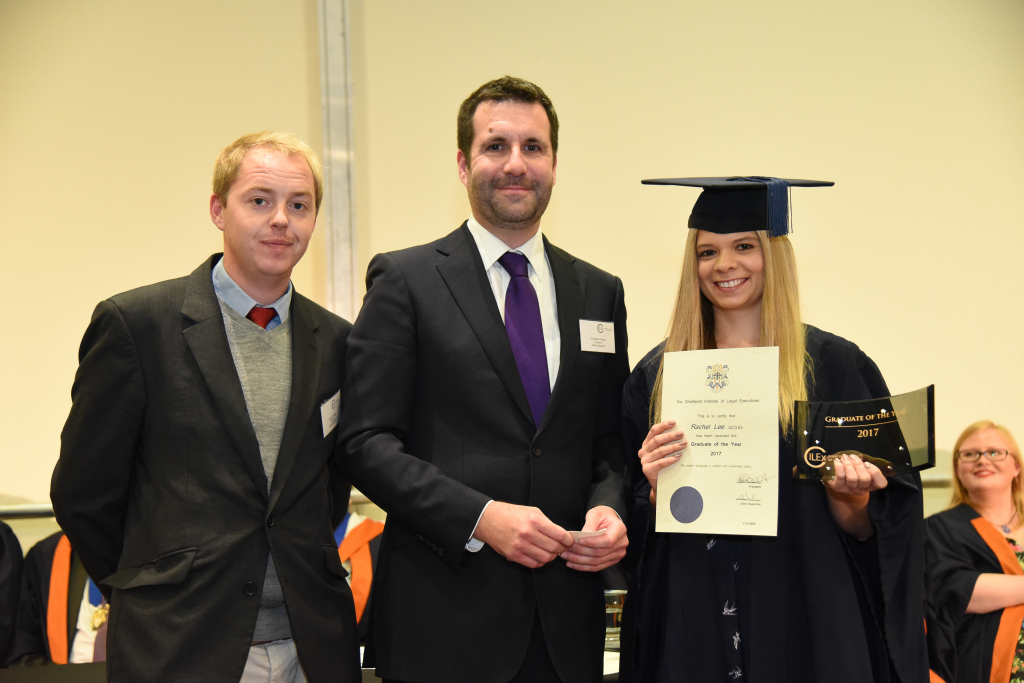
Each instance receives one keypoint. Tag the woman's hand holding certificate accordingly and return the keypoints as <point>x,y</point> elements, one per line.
<point>662,447</point>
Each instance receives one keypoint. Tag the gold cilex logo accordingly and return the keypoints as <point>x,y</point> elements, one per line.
<point>815,457</point>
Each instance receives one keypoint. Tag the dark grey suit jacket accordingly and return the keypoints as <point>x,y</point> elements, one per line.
<point>161,490</point>
<point>437,423</point>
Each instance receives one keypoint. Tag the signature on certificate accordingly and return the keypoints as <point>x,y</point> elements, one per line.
<point>752,479</point>
<point>748,496</point>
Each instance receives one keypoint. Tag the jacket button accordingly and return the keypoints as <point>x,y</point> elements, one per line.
<point>536,451</point>
<point>249,589</point>
<point>440,551</point>
<point>270,521</point>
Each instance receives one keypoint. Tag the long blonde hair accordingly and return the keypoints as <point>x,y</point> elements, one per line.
<point>692,325</point>
<point>961,495</point>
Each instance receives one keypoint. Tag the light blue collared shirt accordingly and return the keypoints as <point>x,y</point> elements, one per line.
<point>241,303</point>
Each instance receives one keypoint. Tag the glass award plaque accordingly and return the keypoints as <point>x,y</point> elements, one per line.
<point>896,434</point>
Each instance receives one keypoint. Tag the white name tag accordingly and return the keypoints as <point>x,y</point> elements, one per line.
<point>329,411</point>
<point>598,336</point>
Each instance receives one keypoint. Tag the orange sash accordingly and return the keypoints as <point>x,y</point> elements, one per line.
<point>1010,622</point>
<point>356,547</point>
<point>57,604</point>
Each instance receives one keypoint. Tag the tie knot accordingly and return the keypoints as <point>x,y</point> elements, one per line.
<point>261,316</point>
<point>514,264</point>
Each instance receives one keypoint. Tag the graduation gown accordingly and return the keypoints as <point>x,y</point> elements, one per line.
<point>811,604</point>
<point>960,546</point>
<point>10,577</point>
<point>32,644</point>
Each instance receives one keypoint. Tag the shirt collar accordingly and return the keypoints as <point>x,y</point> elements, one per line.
<point>241,303</point>
<point>491,248</point>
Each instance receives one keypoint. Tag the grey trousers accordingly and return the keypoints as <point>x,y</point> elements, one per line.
<point>273,662</point>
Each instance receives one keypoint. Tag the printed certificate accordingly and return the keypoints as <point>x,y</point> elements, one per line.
<point>726,402</point>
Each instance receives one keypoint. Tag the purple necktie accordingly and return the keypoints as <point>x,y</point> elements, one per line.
<point>526,334</point>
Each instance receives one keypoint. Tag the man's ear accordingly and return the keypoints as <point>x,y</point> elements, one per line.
<point>463,168</point>
<point>217,212</point>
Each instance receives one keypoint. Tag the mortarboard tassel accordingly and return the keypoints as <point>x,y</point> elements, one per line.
<point>778,204</point>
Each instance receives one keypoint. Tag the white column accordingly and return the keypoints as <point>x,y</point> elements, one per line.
<point>337,215</point>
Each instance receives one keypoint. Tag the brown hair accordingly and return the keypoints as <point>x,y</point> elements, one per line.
<point>960,494</point>
<point>692,325</point>
<point>225,170</point>
<point>506,88</point>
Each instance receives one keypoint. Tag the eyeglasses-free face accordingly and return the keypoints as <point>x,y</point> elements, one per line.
<point>972,456</point>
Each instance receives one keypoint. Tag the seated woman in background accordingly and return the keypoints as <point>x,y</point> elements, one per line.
<point>837,595</point>
<point>975,580</point>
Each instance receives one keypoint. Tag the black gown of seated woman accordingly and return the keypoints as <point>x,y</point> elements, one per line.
<point>812,604</point>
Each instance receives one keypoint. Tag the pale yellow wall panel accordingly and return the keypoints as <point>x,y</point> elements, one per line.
<point>111,115</point>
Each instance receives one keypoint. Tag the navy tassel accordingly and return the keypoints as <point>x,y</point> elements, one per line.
<point>778,204</point>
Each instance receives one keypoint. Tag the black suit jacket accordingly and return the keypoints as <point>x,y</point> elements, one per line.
<point>161,490</point>
<point>437,423</point>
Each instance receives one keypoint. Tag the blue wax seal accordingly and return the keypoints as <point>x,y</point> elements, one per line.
<point>686,504</point>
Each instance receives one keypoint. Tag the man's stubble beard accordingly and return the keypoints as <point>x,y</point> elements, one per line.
<point>513,216</point>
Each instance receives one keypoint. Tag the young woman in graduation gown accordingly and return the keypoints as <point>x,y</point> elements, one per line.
<point>974,559</point>
<point>837,595</point>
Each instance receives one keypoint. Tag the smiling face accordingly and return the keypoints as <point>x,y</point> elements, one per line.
<point>986,476</point>
<point>267,221</point>
<point>511,167</point>
<point>730,269</point>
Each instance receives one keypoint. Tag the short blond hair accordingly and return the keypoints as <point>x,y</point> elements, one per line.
<point>961,495</point>
<point>225,170</point>
<point>692,325</point>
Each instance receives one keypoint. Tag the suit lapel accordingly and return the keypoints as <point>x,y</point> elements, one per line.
<point>306,359</point>
<point>208,341</point>
<point>463,272</point>
<point>569,293</point>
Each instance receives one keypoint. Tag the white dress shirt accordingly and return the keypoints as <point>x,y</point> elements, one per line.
<point>539,271</point>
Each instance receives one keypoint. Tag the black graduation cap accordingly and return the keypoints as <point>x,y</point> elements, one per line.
<point>742,203</point>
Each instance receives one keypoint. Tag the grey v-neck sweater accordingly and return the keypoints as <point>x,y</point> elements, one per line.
<point>263,360</point>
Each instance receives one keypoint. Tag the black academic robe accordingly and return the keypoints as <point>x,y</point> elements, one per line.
<point>10,577</point>
<point>960,546</point>
<point>811,604</point>
<point>31,645</point>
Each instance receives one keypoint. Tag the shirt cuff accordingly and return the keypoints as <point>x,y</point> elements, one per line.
<point>474,546</point>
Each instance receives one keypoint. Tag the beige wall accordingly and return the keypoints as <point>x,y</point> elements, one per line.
<point>111,114</point>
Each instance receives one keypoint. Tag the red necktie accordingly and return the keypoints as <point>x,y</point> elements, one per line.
<point>261,316</point>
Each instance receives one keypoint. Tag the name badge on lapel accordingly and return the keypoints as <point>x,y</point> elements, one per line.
<point>329,411</point>
<point>597,336</point>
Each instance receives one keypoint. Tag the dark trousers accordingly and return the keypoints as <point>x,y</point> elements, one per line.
<point>537,667</point>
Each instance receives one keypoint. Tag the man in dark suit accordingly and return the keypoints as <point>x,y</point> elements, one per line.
<point>192,478</point>
<point>482,413</point>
